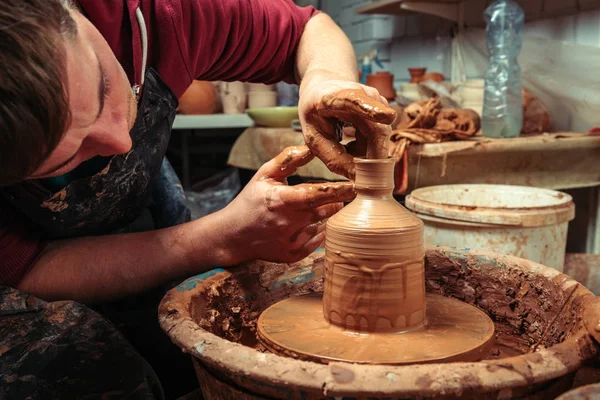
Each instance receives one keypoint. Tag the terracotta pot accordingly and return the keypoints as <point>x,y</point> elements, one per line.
<point>433,76</point>
<point>416,74</point>
<point>374,233</point>
<point>199,98</point>
<point>384,83</point>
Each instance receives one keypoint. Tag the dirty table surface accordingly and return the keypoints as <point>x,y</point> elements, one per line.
<point>554,161</point>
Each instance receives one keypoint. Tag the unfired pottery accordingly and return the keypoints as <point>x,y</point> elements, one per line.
<point>199,98</point>
<point>416,74</point>
<point>434,76</point>
<point>262,99</point>
<point>384,83</point>
<point>233,97</point>
<point>374,257</point>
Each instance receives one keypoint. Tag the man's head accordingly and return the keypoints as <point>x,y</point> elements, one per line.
<point>64,98</point>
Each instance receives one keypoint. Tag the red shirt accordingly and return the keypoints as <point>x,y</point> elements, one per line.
<point>213,40</point>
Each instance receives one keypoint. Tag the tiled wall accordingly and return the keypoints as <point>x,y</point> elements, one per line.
<point>413,41</point>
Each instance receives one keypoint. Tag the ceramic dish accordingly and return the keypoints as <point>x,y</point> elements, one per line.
<point>274,117</point>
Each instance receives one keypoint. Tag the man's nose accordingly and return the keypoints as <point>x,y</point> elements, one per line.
<point>112,140</point>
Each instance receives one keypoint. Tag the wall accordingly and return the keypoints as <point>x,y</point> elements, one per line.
<point>418,40</point>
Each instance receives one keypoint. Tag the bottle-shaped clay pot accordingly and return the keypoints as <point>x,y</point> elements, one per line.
<point>374,262</point>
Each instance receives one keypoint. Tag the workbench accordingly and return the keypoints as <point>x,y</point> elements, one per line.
<point>207,126</point>
<point>557,161</point>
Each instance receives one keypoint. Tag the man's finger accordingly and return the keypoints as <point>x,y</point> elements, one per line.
<point>305,234</point>
<point>286,163</point>
<point>332,153</point>
<point>310,246</point>
<point>354,104</point>
<point>325,211</point>
<point>374,94</point>
<point>313,195</point>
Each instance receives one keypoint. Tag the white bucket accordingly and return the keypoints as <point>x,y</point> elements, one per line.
<point>527,222</point>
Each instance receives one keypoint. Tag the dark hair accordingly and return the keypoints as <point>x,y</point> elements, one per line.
<point>34,106</point>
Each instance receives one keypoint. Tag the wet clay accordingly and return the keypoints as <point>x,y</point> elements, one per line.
<point>529,304</point>
<point>374,275</point>
<point>455,331</point>
<point>373,308</point>
<point>372,121</point>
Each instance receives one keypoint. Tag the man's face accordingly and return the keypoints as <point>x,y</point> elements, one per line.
<point>102,104</point>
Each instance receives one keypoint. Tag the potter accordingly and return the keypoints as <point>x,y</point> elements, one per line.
<point>92,213</point>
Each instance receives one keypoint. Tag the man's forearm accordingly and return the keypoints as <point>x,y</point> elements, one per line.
<point>325,50</point>
<point>93,269</point>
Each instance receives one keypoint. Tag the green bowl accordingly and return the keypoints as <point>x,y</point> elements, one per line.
<point>273,117</point>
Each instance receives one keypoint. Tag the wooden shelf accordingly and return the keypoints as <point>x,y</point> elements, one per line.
<point>472,10</point>
<point>213,121</point>
<point>442,8</point>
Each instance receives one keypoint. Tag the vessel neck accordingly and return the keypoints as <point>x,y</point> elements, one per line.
<point>374,177</point>
<point>379,194</point>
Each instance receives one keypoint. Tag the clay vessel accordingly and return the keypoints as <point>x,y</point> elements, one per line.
<point>416,74</point>
<point>384,83</point>
<point>199,98</point>
<point>434,76</point>
<point>374,276</point>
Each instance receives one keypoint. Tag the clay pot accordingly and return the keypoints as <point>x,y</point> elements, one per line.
<point>260,87</point>
<point>262,99</point>
<point>199,98</point>
<point>433,76</point>
<point>411,91</point>
<point>416,74</point>
<point>384,83</point>
<point>536,117</point>
<point>377,239</point>
<point>233,97</point>
<point>545,318</point>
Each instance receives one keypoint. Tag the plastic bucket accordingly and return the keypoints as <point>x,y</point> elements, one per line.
<point>526,222</point>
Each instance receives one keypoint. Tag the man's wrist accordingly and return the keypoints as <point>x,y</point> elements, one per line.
<point>316,76</point>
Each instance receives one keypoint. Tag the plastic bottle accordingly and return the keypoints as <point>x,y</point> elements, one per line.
<point>503,101</point>
<point>366,69</point>
<point>370,57</point>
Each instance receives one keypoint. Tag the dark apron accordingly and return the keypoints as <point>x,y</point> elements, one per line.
<point>117,197</point>
<point>137,191</point>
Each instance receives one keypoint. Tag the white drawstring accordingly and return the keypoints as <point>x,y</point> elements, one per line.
<point>144,35</point>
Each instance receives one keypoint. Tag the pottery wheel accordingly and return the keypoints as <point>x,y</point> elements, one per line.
<point>454,331</point>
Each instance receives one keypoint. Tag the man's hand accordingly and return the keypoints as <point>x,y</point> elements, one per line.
<point>272,221</point>
<point>323,103</point>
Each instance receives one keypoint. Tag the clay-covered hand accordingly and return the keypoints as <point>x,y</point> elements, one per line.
<point>324,103</point>
<point>272,221</point>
